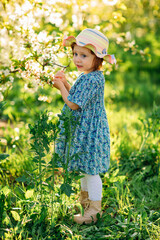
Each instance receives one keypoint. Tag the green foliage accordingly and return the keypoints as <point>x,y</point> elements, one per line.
<point>2,104</point>
<point>44,132</point>
<point>145,162</point>
<point>151,124</point>
<point>2,202</point>
<point>128,218</point>
<point>3,156</point>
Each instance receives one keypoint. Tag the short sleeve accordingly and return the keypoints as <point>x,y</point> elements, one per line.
<point>84,92</point>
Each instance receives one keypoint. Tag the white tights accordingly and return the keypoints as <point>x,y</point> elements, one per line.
<point>93,185</point>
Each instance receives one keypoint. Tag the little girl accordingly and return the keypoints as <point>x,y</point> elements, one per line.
<point>86,100</point>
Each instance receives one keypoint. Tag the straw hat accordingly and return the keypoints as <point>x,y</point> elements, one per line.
<point>94,40</point>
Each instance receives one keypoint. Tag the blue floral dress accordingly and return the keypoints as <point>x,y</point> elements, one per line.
<point>91,135</point>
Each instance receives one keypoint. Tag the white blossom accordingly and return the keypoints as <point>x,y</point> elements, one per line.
<point>110,2</point>
<point>6,72</point>
<point>11,79</point>
<point>55,18</point>
<point>43,98</point>
<point>16,129</point>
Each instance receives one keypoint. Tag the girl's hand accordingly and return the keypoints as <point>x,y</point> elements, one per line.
<point>61,76</point>
<point>56,82</point>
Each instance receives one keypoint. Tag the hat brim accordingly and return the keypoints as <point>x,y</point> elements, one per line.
<point>67,42</point>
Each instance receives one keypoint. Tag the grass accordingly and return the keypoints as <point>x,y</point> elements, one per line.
<point>131,198</point>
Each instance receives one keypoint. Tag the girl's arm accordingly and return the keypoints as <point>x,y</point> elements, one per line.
<point>58,83</point>
<point>67,86</point>
<point>65,94</point>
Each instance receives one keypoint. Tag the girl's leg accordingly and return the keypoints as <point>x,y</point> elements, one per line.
<point>84,183</point>
<point>94,185</point>
<point>84,192</point>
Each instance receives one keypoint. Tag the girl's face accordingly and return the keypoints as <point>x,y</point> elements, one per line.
<point>83,59</point>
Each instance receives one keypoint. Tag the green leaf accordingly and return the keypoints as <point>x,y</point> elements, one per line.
<point>19,192</point>
<point>22,179</point>
<point>66,189</point>
<point>15,215</point>
<point>6,190</point>
<point>134,235</point>
<point>3,156</point>
<point>29,193</point>
<point>49,178</point>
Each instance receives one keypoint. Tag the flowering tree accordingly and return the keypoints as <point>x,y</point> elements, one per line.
<point>26,48</point>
